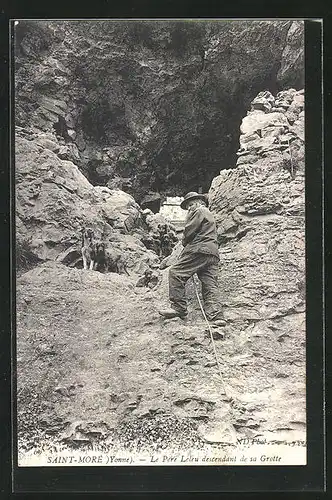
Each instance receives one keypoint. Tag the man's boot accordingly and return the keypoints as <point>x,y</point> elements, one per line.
<point>217,319</point>
<point>172,313</point>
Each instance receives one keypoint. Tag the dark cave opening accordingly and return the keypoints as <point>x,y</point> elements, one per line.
<point>196,117</point>
<point>105,122</point>
<point>190,162</point>
<point>178,158</point>
<point>151,200</point>
<point>184,162</point>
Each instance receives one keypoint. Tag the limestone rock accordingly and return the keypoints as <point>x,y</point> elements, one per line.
<point>69,152</point>
<point>266,130</point>
<point>293,57</point>
<point>72,134</point>
<point>258,120</point>
<point>285,98</point>
<point>298,129</point>
<point>118,208</point>
<point>48,141</point>
<point>263,264</point>
<point>264,101</point>
<point>54,106</point>
<point>55,200</point>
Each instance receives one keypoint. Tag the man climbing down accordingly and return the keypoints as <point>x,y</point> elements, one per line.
<point>200,255</point>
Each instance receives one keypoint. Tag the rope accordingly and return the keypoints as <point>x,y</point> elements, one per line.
<point>211,335</point>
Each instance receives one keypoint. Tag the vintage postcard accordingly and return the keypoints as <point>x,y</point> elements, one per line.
<point>160,242</point>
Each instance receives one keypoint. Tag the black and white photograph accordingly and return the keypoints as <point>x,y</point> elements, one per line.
<point>160,239</point>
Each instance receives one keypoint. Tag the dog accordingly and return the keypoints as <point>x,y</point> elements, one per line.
<point>109,259</point>
<point>114,261</point>
<point>96,256</point>
<point>88,250</point>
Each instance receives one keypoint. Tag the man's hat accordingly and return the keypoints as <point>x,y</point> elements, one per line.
<point>193,196</point>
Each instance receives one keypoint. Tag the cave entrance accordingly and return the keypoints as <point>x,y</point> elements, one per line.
<point>152,201</point>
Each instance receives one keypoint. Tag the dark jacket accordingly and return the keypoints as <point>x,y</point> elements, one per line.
<point>200,232</point>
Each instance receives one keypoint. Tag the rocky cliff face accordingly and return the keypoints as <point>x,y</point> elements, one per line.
<point>141,105</point>
<point>54,202</point>
<point>259,206</point>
